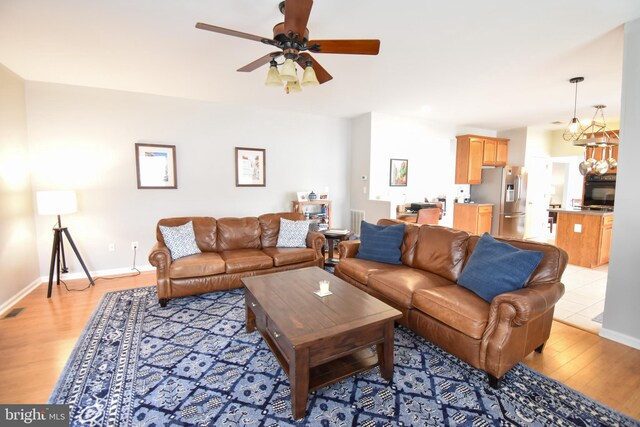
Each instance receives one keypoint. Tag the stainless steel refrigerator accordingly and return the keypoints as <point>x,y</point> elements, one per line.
<point>505,188</point>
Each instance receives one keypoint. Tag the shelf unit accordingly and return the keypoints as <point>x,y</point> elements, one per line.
<point>314,208</point>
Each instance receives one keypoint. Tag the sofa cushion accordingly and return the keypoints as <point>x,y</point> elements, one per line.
<point>455,306</point>
<point>293,234</point>
<point>409,239</point>
<point>270,226</point>
<point>287,256</point>
<point>440,250</point>
<point>239,260</point>
<point>550,269</point>
<point>497,267</point>
<point>398,285</point>
<point>204,264</point>
<point>180,240</point>
<point>360,269</point>
<point>238,233</point>
<point>204,227</point>
<point>380,243</point>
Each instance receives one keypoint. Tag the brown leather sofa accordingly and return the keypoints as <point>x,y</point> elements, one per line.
<point>232,248</point>
<point>490,336</point>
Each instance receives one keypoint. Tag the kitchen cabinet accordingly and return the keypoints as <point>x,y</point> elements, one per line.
<point>502,152</point>
<point>585,236</point>
<point>473,152</point>
<point>472,217</point>
<point>469,151</point>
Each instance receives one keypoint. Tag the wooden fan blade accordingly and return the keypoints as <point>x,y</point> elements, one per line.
<point>353,47</point>
<point>228,32</point>
<point>296,16</point>
<point>259,62</point>
<point>322,74</point>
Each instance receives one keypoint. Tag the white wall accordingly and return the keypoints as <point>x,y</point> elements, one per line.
<point>621,313</point>
<point>18,256</point>
<point>83,139</point>
<point>430,148</point>
<point>517,145</point>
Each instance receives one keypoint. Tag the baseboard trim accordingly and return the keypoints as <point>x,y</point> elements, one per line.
<point>101,273</point>
<point>621,338</point>
<point>4,307</point>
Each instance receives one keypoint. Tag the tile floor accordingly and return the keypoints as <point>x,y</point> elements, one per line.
<point>584,293</point>
<point>583,298</point>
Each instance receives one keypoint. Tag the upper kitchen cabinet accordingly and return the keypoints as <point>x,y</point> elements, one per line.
<point>473,152</point>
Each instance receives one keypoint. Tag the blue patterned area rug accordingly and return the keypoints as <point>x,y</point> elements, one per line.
<point>192,363</point>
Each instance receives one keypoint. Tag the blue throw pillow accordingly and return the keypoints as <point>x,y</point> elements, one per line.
<point>380,243</point>
<point>497,267</point>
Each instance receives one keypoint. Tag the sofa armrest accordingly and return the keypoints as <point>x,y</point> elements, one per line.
<point>348,248</point>
<point>529,302</point>
<point>160,258</point>
<point>315,241</point>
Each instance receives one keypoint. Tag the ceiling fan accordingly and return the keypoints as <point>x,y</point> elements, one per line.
<point>291,38</point>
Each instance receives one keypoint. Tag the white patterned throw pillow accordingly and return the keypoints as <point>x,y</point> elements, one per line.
<point>180,240</point>
<point>293,234</point>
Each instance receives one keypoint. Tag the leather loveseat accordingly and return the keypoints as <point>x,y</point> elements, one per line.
<point>232,248</point>
<point>490,336</point>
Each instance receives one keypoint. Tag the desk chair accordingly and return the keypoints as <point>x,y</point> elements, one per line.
<point>428,216</point>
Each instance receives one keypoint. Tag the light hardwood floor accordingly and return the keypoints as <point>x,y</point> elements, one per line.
<point>35,345</point>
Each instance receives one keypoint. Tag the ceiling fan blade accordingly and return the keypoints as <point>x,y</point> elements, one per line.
<point>353,47</point>
<point>296,16</point>
<point>322,74</point>
<point>259,62</point>
<point>228,32</point>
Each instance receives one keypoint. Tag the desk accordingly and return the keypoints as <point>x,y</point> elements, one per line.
<point>407,217</point>
<point>332,237</point>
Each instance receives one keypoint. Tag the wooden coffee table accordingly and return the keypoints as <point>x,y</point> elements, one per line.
<point>319,341</point>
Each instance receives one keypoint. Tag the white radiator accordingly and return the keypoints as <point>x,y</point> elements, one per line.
<point>356,218</point>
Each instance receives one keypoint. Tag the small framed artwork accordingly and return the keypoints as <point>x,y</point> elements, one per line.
<point>156,166</point>
<point>323,196</point>
<point>398,172</point>
<point>250,167</point>
<point>303,196</point>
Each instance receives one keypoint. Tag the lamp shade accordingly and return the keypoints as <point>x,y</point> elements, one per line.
<point>288,70</point>
<point>293,86</point>
<point>56,202</point>
<point>273,77</point>
<point>309,77</point>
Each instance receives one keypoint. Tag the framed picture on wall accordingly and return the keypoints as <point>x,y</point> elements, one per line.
<point>250,167</point>
<point>156,166</point>
<point>398,172</point>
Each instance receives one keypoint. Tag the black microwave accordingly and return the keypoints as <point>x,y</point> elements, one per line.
<point>599,190</point>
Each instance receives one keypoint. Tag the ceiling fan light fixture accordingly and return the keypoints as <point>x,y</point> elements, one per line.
<point>309,76</point>
<point>288,70</point>
<point>293,86</point>
<point>273,76</point>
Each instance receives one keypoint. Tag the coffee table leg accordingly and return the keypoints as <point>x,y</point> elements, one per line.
<point>385,353</point>
<point>251,318</point>
<point>299,379</point>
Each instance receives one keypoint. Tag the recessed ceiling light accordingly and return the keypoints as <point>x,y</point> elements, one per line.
<point>426,109</point>
<point>557,122</point>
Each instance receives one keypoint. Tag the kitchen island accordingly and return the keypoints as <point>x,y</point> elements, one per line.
<point>585,235</point>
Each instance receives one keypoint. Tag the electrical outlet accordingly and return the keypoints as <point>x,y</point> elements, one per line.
<point>134,246</point>
<point>112,247</point>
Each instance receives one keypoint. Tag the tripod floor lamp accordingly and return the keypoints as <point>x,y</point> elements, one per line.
<point>59,203</point>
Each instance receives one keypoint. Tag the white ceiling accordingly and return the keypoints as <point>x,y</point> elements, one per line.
<point>494,64</point>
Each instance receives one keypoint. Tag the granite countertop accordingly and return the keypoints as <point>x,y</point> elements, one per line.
<point>581,212</point>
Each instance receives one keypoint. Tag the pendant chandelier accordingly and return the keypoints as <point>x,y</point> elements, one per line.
<point>594,136</point>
